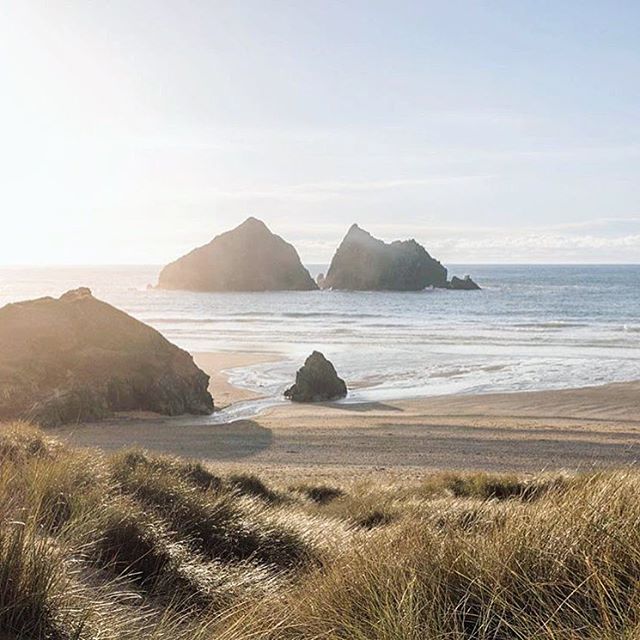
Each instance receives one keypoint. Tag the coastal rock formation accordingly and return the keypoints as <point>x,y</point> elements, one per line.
<point>364,263</point>
<point>76,358</point>
<point>317,381</point>
<point>466,283</point>
<point>247,258</point>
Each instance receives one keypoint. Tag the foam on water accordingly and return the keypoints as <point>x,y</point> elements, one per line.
<point>531,327</point>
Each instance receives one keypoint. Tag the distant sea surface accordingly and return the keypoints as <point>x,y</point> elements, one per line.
<point>531,327</point>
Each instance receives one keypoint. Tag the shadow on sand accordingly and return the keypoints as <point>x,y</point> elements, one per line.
<point>363,407</point>
<point>232,441</point>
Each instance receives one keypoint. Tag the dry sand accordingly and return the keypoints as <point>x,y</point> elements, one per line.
<point>524,432</point>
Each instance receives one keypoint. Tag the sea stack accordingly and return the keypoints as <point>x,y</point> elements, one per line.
<point>364,263</point>
<point>317,381</point>
<point>247,258</point>
<point>463,284</point>
<point>76,358</point>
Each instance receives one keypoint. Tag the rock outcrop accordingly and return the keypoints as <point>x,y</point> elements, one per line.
<point>465,284</point>
<point>317,381</point>
<point>76,358</point>
<point>364,263</point>
<point>247,258</point>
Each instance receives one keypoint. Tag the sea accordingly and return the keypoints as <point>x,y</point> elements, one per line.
<point>531,327</point>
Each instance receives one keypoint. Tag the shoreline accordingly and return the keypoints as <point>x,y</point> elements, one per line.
<point>616,404</point>
<point>216,364</point>
<point>612,401</point>
<point>583,428</point>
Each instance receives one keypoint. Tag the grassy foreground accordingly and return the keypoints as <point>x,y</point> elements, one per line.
<point>140,546</point>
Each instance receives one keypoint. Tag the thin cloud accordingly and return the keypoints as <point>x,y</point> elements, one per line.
<point>552,243</point>
<point>339,188</point>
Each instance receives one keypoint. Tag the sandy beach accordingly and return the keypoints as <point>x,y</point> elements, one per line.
<point>215,364</point>
<point>524,432</point>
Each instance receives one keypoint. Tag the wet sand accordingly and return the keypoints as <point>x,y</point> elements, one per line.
<point>215,364</point>
<point>524,432</point>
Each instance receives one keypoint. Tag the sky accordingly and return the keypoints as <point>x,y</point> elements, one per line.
<point>497,131</point>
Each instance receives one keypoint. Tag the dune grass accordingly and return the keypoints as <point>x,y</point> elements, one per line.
<point>136,545</point>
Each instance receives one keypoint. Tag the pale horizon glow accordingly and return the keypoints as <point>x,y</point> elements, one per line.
<point>131,133</point>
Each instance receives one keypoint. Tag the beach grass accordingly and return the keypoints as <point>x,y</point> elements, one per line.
<point>138,545</point>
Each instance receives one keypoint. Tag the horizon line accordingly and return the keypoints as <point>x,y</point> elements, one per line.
<point>305,264</point>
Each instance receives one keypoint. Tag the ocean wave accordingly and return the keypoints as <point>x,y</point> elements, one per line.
<point>452,372</point>
<point>327,314</point>
<point>551,324</point>
<point>252,316</point>
<point>180,320</point>
<point>303,314</point>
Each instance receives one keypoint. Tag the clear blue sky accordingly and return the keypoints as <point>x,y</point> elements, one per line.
<point>489,131</point>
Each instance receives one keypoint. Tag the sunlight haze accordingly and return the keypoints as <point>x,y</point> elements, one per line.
<point>489,131</point>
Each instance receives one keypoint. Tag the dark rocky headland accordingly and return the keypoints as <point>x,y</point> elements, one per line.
<point>77,358</point>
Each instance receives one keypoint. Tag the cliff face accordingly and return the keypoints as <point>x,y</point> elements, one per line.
<point>247,258</point>
<point>77,358</point>
<point>364,263</point>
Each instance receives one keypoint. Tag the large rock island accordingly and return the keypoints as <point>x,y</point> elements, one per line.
<point>247,258</point>
<point>77,358</point>
<point>364,263</point>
